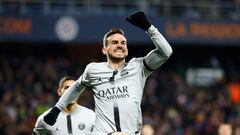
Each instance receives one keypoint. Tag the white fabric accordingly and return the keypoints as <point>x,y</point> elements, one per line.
<point>82,122</point>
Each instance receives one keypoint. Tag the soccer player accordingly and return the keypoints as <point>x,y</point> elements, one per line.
<point>73,119</point>
<point>118,85</point>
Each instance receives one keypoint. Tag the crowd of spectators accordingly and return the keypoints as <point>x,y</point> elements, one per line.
<point>29,76</point>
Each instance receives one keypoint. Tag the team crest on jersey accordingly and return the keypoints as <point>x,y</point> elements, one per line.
<point>81,126</point>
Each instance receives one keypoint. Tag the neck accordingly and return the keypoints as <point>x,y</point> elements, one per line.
<point>116,65</point>
<point>70,108</point>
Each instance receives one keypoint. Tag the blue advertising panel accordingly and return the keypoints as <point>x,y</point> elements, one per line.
<point>90,29</point>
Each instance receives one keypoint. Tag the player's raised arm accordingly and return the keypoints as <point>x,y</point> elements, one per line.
<point>163,50</point>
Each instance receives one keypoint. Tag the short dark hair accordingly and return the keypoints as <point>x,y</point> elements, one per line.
<point>64,79</point>
<point>111,32</point>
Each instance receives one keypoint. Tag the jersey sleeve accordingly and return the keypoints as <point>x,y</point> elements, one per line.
<point>85,80</point>
<point>158,56</point>
<point>74,90</point>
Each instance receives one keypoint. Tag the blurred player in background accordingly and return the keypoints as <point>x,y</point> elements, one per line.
<point>73,119</point>
<point>118,85</point>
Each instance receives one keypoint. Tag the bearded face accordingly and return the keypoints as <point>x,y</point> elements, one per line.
<point>116,49</point>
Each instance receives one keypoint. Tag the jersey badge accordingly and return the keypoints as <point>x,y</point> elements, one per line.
<point>81,126</point>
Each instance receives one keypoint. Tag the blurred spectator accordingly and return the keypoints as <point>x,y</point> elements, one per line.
<point>225,129</point>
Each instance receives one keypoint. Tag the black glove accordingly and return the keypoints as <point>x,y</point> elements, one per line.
<point>139,19</point>
<point>51,117</point>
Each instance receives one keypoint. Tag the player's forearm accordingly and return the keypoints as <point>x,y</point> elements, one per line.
<point>162,46</point>
<point>71,93</point>
<point>163,51</point>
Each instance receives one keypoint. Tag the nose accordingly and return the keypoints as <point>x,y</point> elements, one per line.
<point>119,45</point>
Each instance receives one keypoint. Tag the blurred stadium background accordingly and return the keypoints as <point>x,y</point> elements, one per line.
<point>193,93</point>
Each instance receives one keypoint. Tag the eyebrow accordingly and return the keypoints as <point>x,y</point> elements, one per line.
<point>119,41</point>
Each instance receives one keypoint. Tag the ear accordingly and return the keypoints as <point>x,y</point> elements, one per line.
<point>104,50</point>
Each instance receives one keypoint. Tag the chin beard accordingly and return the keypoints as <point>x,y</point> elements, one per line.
<point>116,59</point>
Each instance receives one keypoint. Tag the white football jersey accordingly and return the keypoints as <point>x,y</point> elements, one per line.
<point>79,122</point>
<point>118,94</point>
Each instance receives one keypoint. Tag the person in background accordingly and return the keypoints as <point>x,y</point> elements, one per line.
<point>73,119</point>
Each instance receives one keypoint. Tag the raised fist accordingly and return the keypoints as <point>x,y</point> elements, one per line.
<point>139,19</point>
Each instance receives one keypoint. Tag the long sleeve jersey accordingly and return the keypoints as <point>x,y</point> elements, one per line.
<point>118,94</point>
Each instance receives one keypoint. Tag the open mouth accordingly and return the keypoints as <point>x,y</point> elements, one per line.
<point>119,51</point>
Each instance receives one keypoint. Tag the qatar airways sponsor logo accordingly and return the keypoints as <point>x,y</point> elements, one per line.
<point>114,93</point>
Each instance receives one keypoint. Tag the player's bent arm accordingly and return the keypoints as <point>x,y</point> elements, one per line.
<point>163,51</point>
<point>71,93</point>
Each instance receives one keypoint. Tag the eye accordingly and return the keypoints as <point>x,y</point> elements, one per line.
<point>123,42</point>
<point>66,87</point>
<point>114,42</point>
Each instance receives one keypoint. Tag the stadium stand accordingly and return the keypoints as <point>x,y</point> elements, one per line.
<point>212,9</point>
